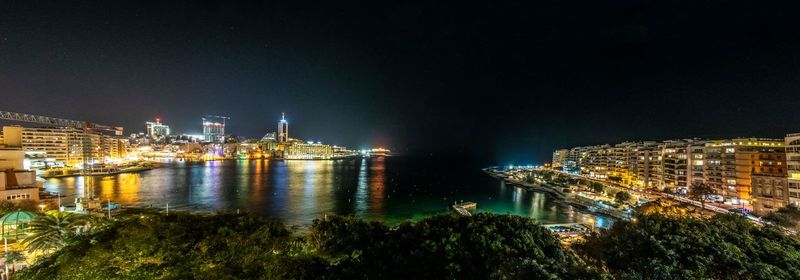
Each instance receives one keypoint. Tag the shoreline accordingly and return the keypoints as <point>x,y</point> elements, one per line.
<point>559,195</point>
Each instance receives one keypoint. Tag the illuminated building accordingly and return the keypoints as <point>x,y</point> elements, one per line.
<point>594,162</point>
<point>156,130</point>
<point>792,142</point>
<point>647,171</point>
<point>342,152</point>
<point>16,183</point>
<point>677,171</point>
<point>53,142</point>
<point>770,192</point>
<point>730,165</point>
<point>214,129</point>
<point>64,146</point>
<point>573,162</point>
<point>283,130</point>
<point>559,157</point>
<point>310,150</point>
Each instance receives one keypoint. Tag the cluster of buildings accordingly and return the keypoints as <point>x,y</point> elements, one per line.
<point>47,147</point>
<point>59,146</point>
<point>280,145</point>
<point>759,174</point>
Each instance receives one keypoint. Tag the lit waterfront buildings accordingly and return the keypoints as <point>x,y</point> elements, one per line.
<point>280,145</point>
<point>157,130</point>
<point>729,166</point>
<point>214,129</point>
<point>308,150</point>
<point>64,146</point>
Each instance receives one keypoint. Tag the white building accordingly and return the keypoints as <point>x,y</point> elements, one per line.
<point>793,166</point>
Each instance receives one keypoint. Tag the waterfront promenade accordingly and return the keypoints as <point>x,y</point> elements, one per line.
<point>592,203</point>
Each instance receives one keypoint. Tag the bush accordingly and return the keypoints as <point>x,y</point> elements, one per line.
<point>226,246</point>
<point>723,247</point>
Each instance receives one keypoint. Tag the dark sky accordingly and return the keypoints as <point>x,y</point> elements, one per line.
<point>505,81</point>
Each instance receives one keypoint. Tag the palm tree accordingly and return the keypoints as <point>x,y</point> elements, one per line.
<point>700,191</point>
<point>52,231</point>
<point>14,257</point>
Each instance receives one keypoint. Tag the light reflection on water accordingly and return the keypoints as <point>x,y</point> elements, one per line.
<point>390,189</point>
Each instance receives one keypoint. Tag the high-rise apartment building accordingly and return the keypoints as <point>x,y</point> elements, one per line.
<point>730,165</point>
<point>157,130</point>
<point>559,157</point>
<point>675,165</point>
<point>214,129</point>
<point>769,193</point>
<point>65,145</point>
<point>792,146</point>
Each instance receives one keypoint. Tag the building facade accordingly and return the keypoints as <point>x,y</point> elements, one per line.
<point>157,130</point>
<point>283,130</point>
<point>214,129</point>
<point>559,158</point>
<point>300,150</point>
<point>64,146</point>
<point>675,165</point>
<point>770,192</point>
<point>792,142</point>
<point>16,183</point>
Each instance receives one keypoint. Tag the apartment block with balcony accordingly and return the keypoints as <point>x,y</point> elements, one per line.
<point>770,192</point>
<point>730,165</point>
<point>648,166</point>
<point>792,147</point>
<point>64,145</point>
<point>559,158</point>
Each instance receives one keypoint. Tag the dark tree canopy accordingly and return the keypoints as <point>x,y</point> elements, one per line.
<point>722,247</point>
<point>227,246</point>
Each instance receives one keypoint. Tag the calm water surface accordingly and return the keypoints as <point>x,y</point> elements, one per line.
<point>391,189</point>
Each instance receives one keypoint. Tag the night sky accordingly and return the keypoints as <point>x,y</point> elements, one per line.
<point>501,81</point>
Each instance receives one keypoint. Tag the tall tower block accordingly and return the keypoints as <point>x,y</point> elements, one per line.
<point>283,130</point>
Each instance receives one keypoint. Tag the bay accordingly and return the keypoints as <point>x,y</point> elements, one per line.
<point>389,189</point>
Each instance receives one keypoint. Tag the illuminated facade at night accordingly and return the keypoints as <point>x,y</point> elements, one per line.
<point>559,158</point>
<point>309,150</point>
<point>64,146</point>
<point>727,165</point>
<point>792,142</point>
<point>157,130</point>
<point>214,129</point>
<point>283,130</point>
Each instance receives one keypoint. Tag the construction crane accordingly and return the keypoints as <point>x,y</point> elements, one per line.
<point>88,128</point>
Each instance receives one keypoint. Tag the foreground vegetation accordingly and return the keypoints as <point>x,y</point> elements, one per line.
<point>485,246</point>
